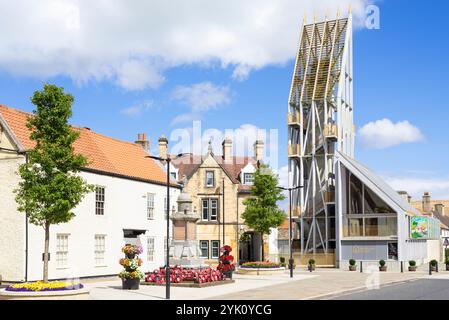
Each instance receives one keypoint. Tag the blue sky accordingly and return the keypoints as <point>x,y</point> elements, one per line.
<point>230,68</point>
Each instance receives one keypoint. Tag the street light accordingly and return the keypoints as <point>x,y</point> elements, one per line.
<point>167,265</point>
<point>291,261</point>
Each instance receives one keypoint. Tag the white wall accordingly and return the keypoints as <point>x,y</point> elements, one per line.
<point>125,208</point>
<point>12,222</point>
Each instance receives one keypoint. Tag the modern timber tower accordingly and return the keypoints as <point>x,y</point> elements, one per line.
<point>320,123</point>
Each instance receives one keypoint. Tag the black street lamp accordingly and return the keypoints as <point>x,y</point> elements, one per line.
<point>167,265</point>
<point>291,261</point>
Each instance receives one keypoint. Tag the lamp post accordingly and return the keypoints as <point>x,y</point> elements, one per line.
<point>168,160</point>
<point>223,210</point>
<point>291,261</point>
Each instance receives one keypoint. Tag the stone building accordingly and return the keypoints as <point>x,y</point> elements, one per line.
<point>204,178</point>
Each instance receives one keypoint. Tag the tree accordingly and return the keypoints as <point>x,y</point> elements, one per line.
<point>50,186</point>
<point>262,213</point>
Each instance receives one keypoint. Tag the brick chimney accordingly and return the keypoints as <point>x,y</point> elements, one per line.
<point>259,150</point>
<point>163,146</point>
<point>439,208</point>
<point>142,140</point>
<point>227,149</point>
<point>404,195</point>
<point>426,206</point>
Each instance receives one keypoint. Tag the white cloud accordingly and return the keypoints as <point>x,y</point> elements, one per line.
<point>384,134</point>
<point>137,109</point>
<point>202,96</point>
<point>416,186</point>
<point>132,45</point>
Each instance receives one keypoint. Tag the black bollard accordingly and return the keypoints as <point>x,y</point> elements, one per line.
<point>437,267</point>
<point>402,266</point>
<point>361,266</point>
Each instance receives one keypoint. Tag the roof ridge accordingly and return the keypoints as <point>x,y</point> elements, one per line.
<point>72,125</point>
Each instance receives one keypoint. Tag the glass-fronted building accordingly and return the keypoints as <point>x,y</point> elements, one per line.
<point>376,223</point>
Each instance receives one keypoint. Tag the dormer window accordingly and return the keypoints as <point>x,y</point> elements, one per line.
<point>248,179</point>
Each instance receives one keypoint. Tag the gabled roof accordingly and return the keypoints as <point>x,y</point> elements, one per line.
<point>105,154</point>
<point>376,184</point>
<point>189,164</point>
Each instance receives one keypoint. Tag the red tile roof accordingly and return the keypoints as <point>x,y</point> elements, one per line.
<point>105,154</point>
<point>188,165</point>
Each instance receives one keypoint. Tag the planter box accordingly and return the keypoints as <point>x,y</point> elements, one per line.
<point>69,294</point>
<point>311,268</point>
<point>383,269</point>
<point>130,284</point>
<point>260,271</point>
<point>412,269</point>
<point>352,268</point>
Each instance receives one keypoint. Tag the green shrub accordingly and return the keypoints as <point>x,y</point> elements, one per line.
<point>433,263</point>
<point>312,262</point>
<point>412,263</point>
<point>352,262</point>
<point>382,263</point>
<point>282,260</point>
<point>447,261</point>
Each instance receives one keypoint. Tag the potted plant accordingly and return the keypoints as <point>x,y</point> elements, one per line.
<point>412,266</point>
<point>352,265</point>
<point>282,262</point>
<point>312,265</point>
<point>382,266</point>
<point>131,276</point>
<point>433,265</point>
<point>447,264</point>
<point>226,264</point>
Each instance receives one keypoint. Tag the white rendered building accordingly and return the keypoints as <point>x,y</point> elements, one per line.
<point>127,206</point>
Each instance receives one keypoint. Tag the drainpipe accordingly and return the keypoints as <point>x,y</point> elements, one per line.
<point>26,235</point>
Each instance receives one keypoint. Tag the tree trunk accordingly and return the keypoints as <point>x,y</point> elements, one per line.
<point>263,251</point>
<point>46,249</point>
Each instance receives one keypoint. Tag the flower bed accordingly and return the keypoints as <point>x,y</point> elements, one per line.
<point>260,265</point>
<point>41,286</point>
<point>179,274</point>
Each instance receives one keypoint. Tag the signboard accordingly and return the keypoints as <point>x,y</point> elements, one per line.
<point>424,228</point>
<point>419,227</point>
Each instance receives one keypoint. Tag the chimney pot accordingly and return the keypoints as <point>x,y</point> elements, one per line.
<point>426,203</point>
<point>163,146</point>
<point>142,141</point>
<point>259,150</point>
<point>227,149</point>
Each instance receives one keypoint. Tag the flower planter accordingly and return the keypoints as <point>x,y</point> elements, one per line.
<point>130,256</point>
<point>352,268</point>
<point>383,269</point>
<point>130,284</point>
<point>261,271</point>
<point>412,269</point>
<point>311,267</point>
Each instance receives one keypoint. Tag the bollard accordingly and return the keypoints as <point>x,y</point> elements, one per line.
<point>430,269</point>
<point>402,266</point>
<point>361,266</point>
<point>437,267</point>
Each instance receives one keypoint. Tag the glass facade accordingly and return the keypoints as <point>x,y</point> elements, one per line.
<point>367,214</point>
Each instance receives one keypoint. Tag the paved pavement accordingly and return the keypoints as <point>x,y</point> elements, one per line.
<point>323,284</point>
<point>423,289</point>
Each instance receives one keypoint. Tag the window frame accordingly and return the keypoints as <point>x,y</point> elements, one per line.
<point>212,204</point>
<point>150,209</point>
<point>100,200</point>
<point>212,242</point>
<point>206,248</point>
<point>62,249</point>
<point>150,253</point>
<point>245,181</point>
<point>100,249</point>
<point>207,178</point>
